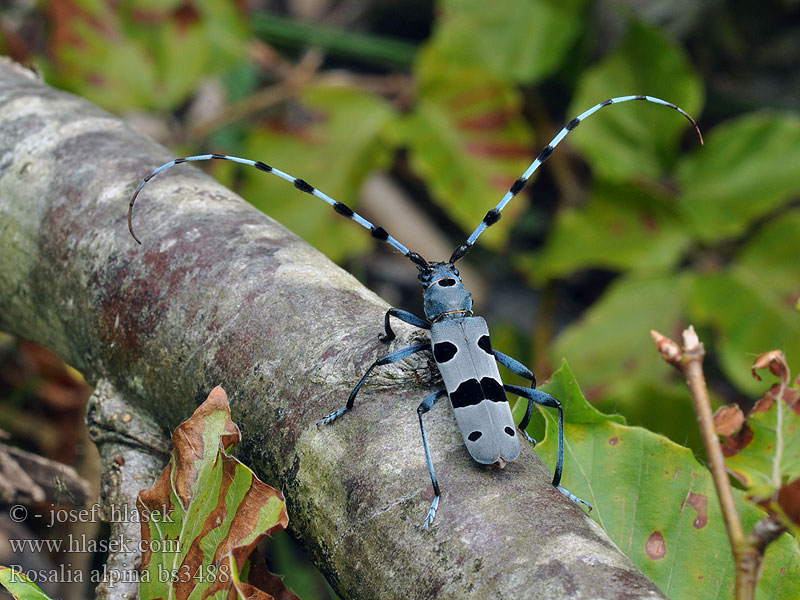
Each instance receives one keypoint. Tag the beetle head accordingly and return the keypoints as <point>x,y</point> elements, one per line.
<point>443,291</point>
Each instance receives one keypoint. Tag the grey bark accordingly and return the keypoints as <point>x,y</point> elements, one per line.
<point>133,452</point>
<point>221,294</point>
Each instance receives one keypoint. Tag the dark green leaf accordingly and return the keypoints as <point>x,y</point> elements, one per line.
<point>637,138</point>
<point>744,311</point>
<point>621,227</point>
<point>747,168</point>
<point>518,40</point>
<point>772,256</point>
<point>610,347</point>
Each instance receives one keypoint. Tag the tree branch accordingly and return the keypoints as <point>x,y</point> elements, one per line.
<point>221,294</point>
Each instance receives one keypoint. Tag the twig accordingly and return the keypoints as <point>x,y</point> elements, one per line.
<point>263,99</point>
<point>689,360</point>
<point>27,477</point>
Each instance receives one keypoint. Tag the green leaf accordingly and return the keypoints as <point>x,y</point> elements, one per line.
<point>765,453</point>
<point>772,256</point>
<point>621,227</point>
<point>675,416</point>
<point>610,347</point>
<point>749,319</point>
<point>467,139</point>
<point>636,138</point>
<point>19,586</point>
<point>565,387</point>
<point>747,168</point>
<point>657,503</point>
<point>518,40</point>
<point>338,147</point>
<point>183,59</point>
<point>205,509</point>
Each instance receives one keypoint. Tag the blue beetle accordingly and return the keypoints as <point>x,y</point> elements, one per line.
<point>459,341</point>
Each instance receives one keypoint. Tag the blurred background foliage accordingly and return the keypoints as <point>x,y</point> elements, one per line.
<point>631,226</point>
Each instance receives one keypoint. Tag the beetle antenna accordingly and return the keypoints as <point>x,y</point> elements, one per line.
<point>494,214</point>
<point>379,233</point>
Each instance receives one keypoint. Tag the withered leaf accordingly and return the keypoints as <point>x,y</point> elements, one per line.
<point>728,419</point>
<point>205,509</point>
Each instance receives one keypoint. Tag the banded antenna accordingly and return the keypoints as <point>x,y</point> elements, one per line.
<point>494,214</point>
<point>379,233</point>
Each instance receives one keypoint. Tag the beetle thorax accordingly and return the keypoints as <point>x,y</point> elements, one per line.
<point>444,293</point>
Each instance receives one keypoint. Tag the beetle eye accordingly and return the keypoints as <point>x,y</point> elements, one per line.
<point>447,282</point>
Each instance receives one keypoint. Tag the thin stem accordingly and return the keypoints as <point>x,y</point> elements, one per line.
<point>689,361</point>
<point>692,367</point>
<point>263,99</point>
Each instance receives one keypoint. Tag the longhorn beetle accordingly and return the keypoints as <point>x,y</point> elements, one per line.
<point>459,341</point>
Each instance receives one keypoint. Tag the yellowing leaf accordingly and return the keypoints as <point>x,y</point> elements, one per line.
<point>142,53</point>
<point>636,138</point>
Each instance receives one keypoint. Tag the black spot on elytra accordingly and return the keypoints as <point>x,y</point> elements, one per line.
<point>474,436</point>
<point>493,390</point>
<point>468,393</point>
<point>472,392</point>
<point>444,351</point>
<point>485,345</point>
<point>510,431</point>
